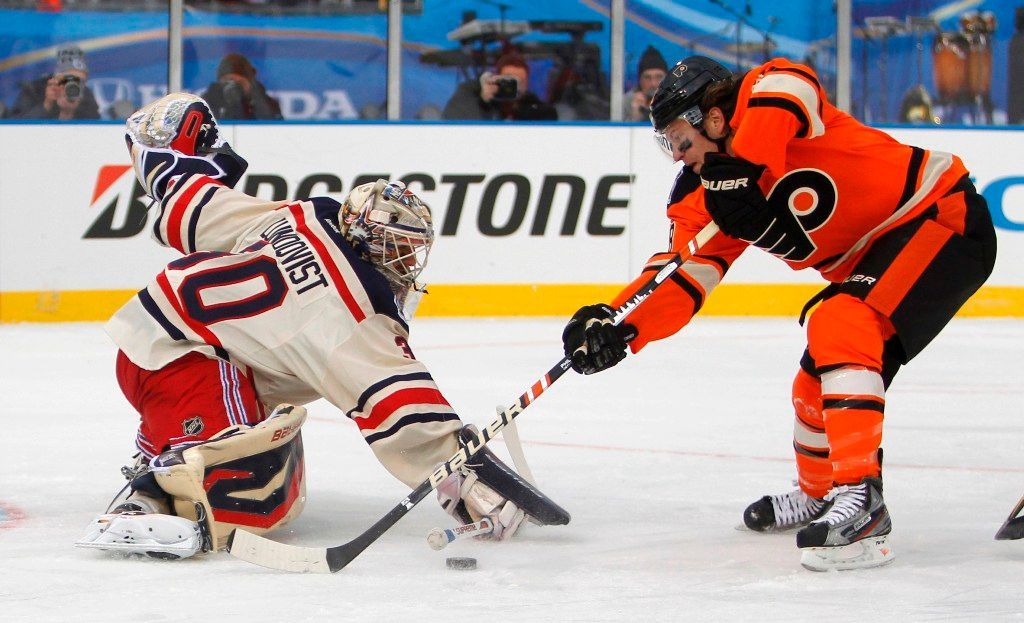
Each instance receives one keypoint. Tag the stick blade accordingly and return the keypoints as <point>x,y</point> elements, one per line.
<point>1012,530</point>
<point>280,556</point>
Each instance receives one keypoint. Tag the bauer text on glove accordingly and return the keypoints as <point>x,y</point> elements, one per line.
<point>739,208</point>
<point>733,198</point>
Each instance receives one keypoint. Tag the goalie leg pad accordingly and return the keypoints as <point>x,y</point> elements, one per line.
<point>495,474</point>
<point>253,478</point>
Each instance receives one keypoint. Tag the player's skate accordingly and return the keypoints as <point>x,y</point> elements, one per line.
<point>139,526</point>
<point>784,511</point>
<point>853,534</point>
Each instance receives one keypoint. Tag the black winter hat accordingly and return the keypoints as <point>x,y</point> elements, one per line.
<point>651,59</point>
<point>236,64</point>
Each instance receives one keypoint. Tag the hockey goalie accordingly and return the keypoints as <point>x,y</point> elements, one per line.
<point>271,306</point>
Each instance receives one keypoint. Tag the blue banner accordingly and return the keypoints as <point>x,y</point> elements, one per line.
<point>334,66</point>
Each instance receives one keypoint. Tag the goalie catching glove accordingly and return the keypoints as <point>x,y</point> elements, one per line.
<point>178,135</point>
<point>486,487</point>
<point>592,342</point>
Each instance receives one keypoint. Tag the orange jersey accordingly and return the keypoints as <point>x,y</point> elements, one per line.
<point>845,183</point>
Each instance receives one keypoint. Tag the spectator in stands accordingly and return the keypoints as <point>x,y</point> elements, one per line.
<point>237,94</point>
<point>62,95</point>
<point>501,95</point>
<point>651,70</point>
<point>577,94</point>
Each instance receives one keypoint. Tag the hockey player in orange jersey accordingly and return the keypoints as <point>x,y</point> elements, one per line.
<point>899,232</point>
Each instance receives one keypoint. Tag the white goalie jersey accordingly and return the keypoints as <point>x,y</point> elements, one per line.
<point>274,288</point>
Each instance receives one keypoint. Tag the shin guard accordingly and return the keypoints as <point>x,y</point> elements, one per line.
<point>810,444</point>
<point>853,404</point>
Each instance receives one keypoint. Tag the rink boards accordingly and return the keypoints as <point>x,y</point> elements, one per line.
<point>531,220</point>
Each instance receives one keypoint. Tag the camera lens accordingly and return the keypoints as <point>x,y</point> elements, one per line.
<point>232,89</point>
<point>72,88</point>
<point>508,88</point>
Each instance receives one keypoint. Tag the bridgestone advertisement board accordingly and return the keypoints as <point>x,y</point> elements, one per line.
<point>531,219</point>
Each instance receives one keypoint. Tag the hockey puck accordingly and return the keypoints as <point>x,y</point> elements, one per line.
<point>461,564</point>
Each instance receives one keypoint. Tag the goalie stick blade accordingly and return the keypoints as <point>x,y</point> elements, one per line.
<point>1012,530</point>
<point>273,555</point>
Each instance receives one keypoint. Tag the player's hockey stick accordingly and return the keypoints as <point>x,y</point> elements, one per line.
<point>514,445</point>
<point>275,555</point>
<point>1013,527</point>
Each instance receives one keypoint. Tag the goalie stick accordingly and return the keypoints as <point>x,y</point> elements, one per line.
<point>275,555</point>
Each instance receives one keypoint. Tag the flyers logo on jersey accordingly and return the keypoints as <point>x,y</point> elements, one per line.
<point>122,202</point>
<point>803,201</point>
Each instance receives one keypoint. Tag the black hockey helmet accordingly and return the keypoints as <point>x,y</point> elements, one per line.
<point>679,94</point>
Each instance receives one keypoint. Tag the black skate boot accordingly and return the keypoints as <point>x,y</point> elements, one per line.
<point>783,512</point>
<point>853,534</point>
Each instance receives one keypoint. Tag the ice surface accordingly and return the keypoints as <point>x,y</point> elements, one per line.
<point>655,459</point>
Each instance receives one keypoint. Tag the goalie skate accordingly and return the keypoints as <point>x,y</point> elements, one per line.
<point>137,532</point>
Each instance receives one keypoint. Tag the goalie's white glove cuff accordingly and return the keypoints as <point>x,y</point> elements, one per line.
<point>508,521</point>
<point>462,493</point>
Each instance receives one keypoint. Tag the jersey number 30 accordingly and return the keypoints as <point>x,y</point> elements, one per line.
<point>230,292</point>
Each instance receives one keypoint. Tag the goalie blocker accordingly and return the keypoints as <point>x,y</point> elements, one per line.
<point>486,487</point>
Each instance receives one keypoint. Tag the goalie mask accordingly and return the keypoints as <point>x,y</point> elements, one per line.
<point>393,229</point>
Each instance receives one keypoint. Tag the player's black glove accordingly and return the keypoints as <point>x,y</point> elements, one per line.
<point>740,209</point>
<point>592,342</point>
<point>733,198</point>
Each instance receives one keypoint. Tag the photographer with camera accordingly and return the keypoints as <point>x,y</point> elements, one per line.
<point>237,94</point>
<point>61,95</point>
<point>501,95</point>
<point>652,69</point>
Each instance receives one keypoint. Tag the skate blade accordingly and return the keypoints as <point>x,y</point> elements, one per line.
<point>153,550</point>
<point>864,554</point>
